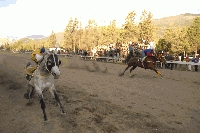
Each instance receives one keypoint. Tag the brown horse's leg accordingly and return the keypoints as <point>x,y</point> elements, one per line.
<point>132,68</point>
<point>159,74</point>
<point>125,70</point>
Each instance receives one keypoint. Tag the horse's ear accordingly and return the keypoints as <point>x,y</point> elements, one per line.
<point>59,62</point>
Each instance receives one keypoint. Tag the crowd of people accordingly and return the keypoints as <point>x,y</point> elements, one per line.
<point>119,50</point>
<point>122,51</point>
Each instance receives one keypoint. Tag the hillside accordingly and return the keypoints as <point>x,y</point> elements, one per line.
<point>175,21</point>
<point>178,20</point>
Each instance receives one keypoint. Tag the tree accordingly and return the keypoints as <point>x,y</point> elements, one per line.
<point>146,27</point>
<point>52,40</point>
<point>163,45</point>
<point>103,35</point>
<point>80,36</point>
<point>70,34</point>
<point>184,40</point>
<point>193,33</point>
<point>129,29</point>
<point>178,39</point>
<point>113,32</point>
<point>91,35</point>
<point>108,34</point>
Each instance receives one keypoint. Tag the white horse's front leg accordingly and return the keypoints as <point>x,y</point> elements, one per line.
<point>54,93</point>
<point>40,96</point>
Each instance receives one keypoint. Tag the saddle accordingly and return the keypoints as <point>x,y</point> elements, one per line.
<point>30,70</point>
<point>152,59</point>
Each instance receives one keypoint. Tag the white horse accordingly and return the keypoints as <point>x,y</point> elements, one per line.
<point>43,77</point>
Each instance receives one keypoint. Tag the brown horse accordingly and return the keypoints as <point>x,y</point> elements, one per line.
<point>149,63</point>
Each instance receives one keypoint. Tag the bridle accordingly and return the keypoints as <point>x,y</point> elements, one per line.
<point>45,62</point>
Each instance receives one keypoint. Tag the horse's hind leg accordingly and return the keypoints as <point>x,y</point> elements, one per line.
<point>30,92</point>
<point>132,68</point>
<point>30,95</point>
<point>159,74</point>
<point>54,93</point>
<point>125,70</point>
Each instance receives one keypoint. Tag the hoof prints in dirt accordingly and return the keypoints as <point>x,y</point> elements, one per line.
<point>93,68</point>
<point>92,114</point>
<point>151,125</point>
<point>8,78</point>
<point>94,95</point>
<point>97,118</point>
<point>110,128</point>
<point>73,123</point>
<point>90,109</point>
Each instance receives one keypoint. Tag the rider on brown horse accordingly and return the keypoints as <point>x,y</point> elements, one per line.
<point>148,53</point>
<point>149,63</point>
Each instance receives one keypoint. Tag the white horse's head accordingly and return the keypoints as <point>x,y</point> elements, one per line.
<point>52,65</point>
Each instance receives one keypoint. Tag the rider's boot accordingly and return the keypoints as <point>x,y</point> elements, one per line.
<point>28,77</point>
<point>143,64</point>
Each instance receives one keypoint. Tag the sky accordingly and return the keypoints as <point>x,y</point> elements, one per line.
<point>22,18</point>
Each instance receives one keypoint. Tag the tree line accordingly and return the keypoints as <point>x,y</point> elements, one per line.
<point>181,39</point>
<point>77,37</point>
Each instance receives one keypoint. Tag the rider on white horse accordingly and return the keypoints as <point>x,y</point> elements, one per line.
<point>36,56</point>
<point>44,73</point>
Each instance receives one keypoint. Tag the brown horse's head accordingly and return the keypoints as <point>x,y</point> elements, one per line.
<point>161,58</point>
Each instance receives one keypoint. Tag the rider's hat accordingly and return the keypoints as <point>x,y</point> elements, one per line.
<point>42,50</point>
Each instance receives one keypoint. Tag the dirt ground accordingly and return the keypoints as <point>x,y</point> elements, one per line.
<point>97,100</point>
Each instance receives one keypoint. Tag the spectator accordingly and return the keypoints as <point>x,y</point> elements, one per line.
<point>105,53</point>
<point>120,51</point>
<point>196,60</point>
<point>187,59</point>
<point>130,50</point>
<point>85,53</point>
<point>182,56</point>
<point>171,58</point>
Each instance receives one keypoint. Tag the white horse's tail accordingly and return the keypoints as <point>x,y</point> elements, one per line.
<point>28,64</point>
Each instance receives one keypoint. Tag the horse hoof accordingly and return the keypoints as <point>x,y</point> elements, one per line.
<point>121,74</point>
<point>63,113</point>
<point>26,95</point>
<point>29,103</point>
<point>131,76</point>
<point>46,121</point>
